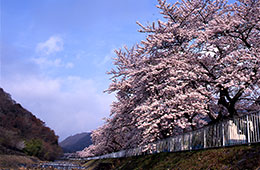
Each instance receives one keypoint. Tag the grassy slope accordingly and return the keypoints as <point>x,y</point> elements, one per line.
<point>13,161</point>
<point>239,157</point>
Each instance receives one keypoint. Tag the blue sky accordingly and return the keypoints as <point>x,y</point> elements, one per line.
<point>55,55</point>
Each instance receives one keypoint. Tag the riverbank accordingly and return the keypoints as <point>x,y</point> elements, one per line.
<point>229,158</point>
<point>17,161</point>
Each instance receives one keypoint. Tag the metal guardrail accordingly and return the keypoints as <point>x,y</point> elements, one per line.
<point>236,131</point>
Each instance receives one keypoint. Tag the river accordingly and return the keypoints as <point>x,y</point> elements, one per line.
<point>55,165</point>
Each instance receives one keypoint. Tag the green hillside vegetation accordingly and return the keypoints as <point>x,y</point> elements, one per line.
<point>76,142</point>
<point>22,133</point>
<point>229,158</point>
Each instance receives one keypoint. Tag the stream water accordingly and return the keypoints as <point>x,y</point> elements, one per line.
<point>55,165</point>
<point>60,165</point>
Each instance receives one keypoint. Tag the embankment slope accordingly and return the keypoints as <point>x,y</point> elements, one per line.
<point>229,158</point>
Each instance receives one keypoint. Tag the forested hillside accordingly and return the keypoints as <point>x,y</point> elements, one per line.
<point>22,133</point>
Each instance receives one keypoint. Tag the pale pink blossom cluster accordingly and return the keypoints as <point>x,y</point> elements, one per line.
<point>200,64</point>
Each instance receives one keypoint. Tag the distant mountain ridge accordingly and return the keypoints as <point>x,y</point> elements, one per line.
<point>76,142</point>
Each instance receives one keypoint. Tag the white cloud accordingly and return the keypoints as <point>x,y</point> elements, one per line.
<point>106,59</point>
<point>45,62</point>
<point>80,54</point>
<point>52,45</point>
<point>69,65</point>
<point>42,61</point>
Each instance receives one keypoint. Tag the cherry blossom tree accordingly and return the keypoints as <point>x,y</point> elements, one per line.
<point>200,64</point>
<point>112,137</point>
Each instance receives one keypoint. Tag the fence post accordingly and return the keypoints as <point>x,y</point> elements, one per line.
<point>182,142</point>
<point>190,137</point>
<point>223,134</point>
<point>248,135</point>
<point>257,125</point>
<point>204,138</point>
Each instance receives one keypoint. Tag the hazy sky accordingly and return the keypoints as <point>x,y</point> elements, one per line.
<point>55,55</point>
